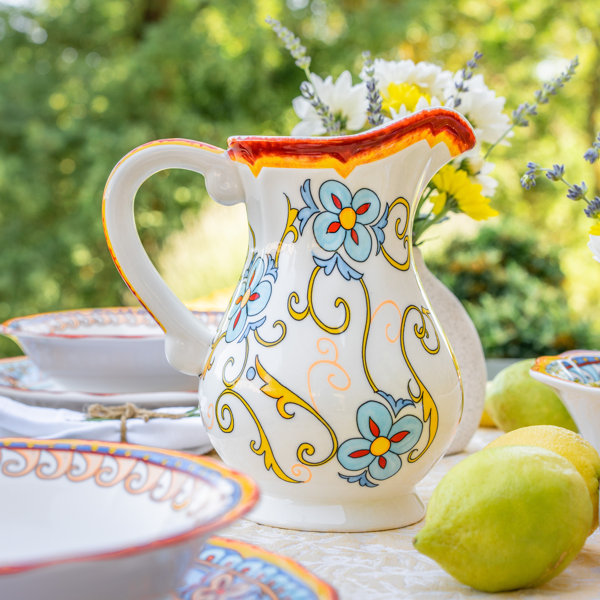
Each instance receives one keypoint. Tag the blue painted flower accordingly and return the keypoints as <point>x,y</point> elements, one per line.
<point>382,441</point>
<point>252,297</point>
<point>344,219</point>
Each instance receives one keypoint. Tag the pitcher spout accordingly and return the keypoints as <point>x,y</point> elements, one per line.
<point>344,153</point>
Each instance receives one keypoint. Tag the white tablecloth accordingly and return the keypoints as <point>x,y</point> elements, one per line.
<point>384,565</point>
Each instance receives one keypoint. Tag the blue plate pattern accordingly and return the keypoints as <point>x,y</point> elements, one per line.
<point>232,570</point>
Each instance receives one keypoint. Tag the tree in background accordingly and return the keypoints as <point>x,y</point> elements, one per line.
<point>83,82</point>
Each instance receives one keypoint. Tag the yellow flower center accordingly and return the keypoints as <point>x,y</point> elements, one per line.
<point>347,218</point>
<point>407,94</point>
<point>380,446</point>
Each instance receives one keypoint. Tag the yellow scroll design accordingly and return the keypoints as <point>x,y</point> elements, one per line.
<point>299,315</point>
<point>210,360</point>
<point>365,338</point>
<point>262,447</point>
<point>231,383</point>
<point>401,235</point>
<point>289,228</point>
<point>268,344</point>
<point>430,411</point>
<point>285,397</point>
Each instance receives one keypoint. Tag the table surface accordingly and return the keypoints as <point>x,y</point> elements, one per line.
<point>384,565</point>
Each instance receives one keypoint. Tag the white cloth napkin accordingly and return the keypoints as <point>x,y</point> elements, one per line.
<point>21,420</point>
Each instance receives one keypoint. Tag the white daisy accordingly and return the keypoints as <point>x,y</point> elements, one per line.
<point>347,102</point>
<point>404,84</point>
<point>594,246</point>
<point>483,109</point>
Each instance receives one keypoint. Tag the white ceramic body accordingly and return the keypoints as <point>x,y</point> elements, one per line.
<point>464,341</point>
<point>101,350</point>
<point>578,389</point>
<point>98,521</point>
<point>329,380</point>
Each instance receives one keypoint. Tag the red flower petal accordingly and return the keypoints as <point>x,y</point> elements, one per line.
<point>254,296</point>
<point>382,462</point>
<point>333,227</point>
<point>398,437</point>
<point>354,236</point>
<point>373,427</point>
<point>336,201</point>
<point>358,453</point>
<point>237,318</point>
<point>361,210</point>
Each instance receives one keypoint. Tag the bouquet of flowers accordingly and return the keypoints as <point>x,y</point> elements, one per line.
<point>390,90</point>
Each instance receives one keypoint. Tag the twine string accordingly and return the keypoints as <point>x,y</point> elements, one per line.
<point>124,412</point>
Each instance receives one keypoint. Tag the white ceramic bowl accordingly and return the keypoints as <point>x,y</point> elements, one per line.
<point>94,521</point>
<point>575,375</point>
<point>102,350</point>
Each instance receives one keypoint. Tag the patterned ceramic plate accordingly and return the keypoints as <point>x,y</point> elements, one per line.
<point>232,570</point>
<point>21,380</point>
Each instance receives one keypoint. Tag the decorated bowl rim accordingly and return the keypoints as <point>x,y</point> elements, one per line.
<point>242,501</point>
<point>18,326</point>
<point>541,363</point>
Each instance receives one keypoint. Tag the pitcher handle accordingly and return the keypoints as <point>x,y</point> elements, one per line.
<point>187,339</point>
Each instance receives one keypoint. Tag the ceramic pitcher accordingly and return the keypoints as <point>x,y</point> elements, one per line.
<point>328,380</point>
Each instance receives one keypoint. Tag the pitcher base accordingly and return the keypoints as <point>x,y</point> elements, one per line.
<point>392,513</point>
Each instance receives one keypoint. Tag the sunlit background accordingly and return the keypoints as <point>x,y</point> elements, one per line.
<point>84,81</point>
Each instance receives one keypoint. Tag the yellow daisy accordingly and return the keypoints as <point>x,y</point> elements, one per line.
<point>455,183</point>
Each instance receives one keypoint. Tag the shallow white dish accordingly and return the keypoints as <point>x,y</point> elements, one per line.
<point>21,380</point>
<point>575,375</point>
<point>98,521</point>
<point>102,350</point>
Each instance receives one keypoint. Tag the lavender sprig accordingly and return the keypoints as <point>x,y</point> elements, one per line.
<point>592,154</point>
<point>529,178</point>
<point>556,173</point>
<point>331,124</point>
<point>592,210</point>
<point>542,96</point>
<point>460,85</point>
<point>374,114</point>
<point>292,44</point>
<point>574,191</point>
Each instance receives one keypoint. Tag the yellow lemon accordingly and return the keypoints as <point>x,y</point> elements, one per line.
<point>572,446</point>
<point>506,518</point>
<point>514,399</point>
<point>486,420</point>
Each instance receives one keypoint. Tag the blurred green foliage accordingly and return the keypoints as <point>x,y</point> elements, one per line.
<point>83,81</point>
<point>512,287</point>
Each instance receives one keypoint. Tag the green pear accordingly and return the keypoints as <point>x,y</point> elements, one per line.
<point>514,399</point>
<point>506,518</point>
